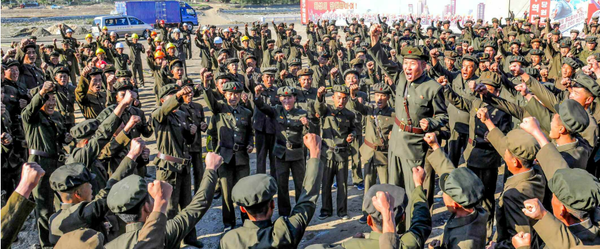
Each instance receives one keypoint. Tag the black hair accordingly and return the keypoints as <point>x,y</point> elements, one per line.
<point>259,209</point>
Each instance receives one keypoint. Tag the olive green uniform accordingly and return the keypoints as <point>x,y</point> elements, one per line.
<point>135,53</point>
<point>195,115</point>
<point>14,214</point>
<point>90,104</point>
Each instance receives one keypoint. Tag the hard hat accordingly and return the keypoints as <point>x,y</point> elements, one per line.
<point>89,36</point>
<point>162,21</point>
<point>113,33</point>
<point>204,28</point>
<point>245,38</point>
<point>225,30</point>
<point>176,31</point>
<point>170,45</point>
<point>100,51</point>
<point>104,28</point>
<point>153,34</point>
<point>101,64</point>
<point>157,39</point>
<point>158,48</point>
<point>119,45</point>
<point>69,31</point>
<point>135,36</point>
<point>184,25</point>
<point>159,54</point>
<point>218,40</point>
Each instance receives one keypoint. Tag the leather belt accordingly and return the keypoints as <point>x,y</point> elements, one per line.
<point>480,145</point>
<point>408,128</point>
<point>61,157</point>
<point>337,149</point>
<point>375,147</point>
<point>184,161</point>
<point>291,146</point>
<point>236,147</point>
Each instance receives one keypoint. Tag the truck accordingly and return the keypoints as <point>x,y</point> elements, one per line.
<point>172,12</point>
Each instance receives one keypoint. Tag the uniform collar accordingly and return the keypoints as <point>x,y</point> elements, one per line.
<point>132,227</point>
<point>257,224</point>
<point>520,177</point>
<point>455,222</point>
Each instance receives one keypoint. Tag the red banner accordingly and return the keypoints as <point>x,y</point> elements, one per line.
<point>314,9</point>
<point>539,8</point>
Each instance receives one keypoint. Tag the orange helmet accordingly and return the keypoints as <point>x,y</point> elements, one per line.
<point>159,54</point>
<point>153,34</point>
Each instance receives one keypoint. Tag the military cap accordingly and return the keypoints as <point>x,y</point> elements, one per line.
<point>254,189</point>
<point>175,63</point>
<point>319,43</point>
<point>85,129</point>
<point>353,18</point>
<point>278,51</point>
<point>305,71</point>
<point>334,32</point>
<point>360,50</point>
<point>484,57</point>
<point>527,24</point>
<point>398,193</point>
<point>214,27</point>
<point>411,52</point>
<point>123,73</point>
<point>233,86</point>
<point>65,42</point>
<point>127,193</point>
<point>95,71</point>
<point>517,58</point>
<point>555,32</point>
<point>270,41</point>
<point>54,54</point>
<point>269,70</point>
<point>351,71</point>
<point>110,68</point>
<point>286,91</point>
<point>349,38</point>
<point>265,25</point>
<point>471,58</point>
<point>123,85</point>
<point>222,75</point>
<point>32,37</point>
<point>574,31</point>
<point>494,20</point>
<point>253,29</point>
<point>361,19</point>
<point>295,62</point>
<point>326,37</point>
<point>573,62</point>
<point>324,54</point>
<point>533,72</point>
<point>401,20</point>
<point>463,186</point>
<point>28,44</point>
<point>382,88</point>
<point>576,189</point>
<point>69,176</point>
<point>249,56</point>
<point>61,69</point>
<point>521,144</point>
<point>387,39</point>
<point>536,52</point>
<point>392,66</point>
<point>573,116</point>
<point>520,20</point>
<point>452,35</point>
<point>450,55</point>
<point>588,83</point>
<point>431,28</point>
<point>446,22</point>
<point>591,39</point>
<point>595,18</point>
<point>223,51</point>
<point>565,43</point>
<point>512,33</point>
<point>168,89</point>
<point>465,41</point>
<point>515,41</point>
<point>490,78</point>
<point>341,89</point>
<point>232,61</point>
<point>52,46</point>
<point>83,238</point>
<point>594,25</point>
<point>535,40</point>
<point>357,61</point>
<point>491,44</point>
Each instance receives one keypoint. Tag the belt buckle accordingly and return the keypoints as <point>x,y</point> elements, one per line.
<point>236,147</point>
<point>337,149</point>
<point>289,145</point>
<point>61,158</point>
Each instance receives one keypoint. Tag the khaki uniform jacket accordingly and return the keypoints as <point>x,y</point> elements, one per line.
<point>14,214</point>
<point>135,52</point>
<point>336,126</point>
<point>234,129</point>
<point>379,124</point>
<point>466,232</point>
<point>90,104</point>
<point>195,114</point>
<point>178,227</point>
<point>286,231</point>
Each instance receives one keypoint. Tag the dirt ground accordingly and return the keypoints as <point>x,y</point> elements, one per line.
<point>210,228</point>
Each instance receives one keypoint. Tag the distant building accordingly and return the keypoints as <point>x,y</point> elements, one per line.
<point>410,8</point>
<point>481,11</point>
<point>453,7</point>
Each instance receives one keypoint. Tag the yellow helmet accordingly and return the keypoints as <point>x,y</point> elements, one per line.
<point>157,39</point>
<point>245,38</point>
<point>104,28</point>
<point>100,51</point>
<point>170,45</point>
<point>89,36</point>
<point>135,36</point>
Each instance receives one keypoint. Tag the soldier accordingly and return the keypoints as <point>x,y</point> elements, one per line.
<point>306,95</point>
<point>339,131</point>
<point>16,96</point>
<point>233,124</point>
<point>79,207</point>
<point>420,229</point>
<point>65,96</point>
<point>255,196</point>
<point>351,77</point>
<point>423,103</point>
<point>88,94</point>
<point>173,134</point>
<point>264,126</point>
<point>18,207</point>
<point>292,124</point>
<point>319,67</point>
<point>130,200</point>
<point>135,54</point>
<point>379,124</point>
<point>30,74</point>
<point>121,60</point>
<point>45,139</point>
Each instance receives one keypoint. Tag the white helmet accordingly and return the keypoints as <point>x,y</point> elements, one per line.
<point>184,25</point>
<point>176,31</point>
<point>204,28</point>
<point>69,31</point>
<point>113,33</point>
<point>119,45</point>
<point>218,40</point>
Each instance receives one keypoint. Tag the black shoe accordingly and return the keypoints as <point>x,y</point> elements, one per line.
<point>324,216</point>
<point>217,195</point>
<point>363,219</point>
<point>197,243</point>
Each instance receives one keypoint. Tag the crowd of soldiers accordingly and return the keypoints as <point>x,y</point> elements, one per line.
<point>393,102</point>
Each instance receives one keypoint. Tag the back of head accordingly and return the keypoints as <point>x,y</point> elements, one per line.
<point>400,202</point>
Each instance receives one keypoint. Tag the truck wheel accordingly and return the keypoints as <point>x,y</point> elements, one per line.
<point>145,34</point>
<point>191,25</point>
